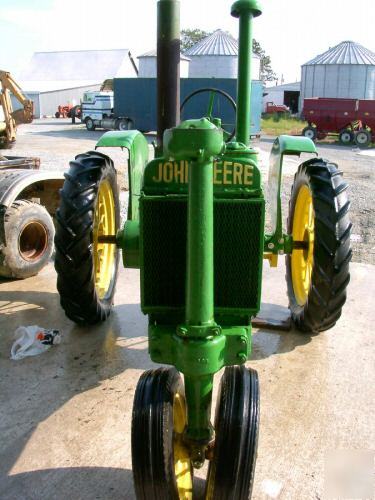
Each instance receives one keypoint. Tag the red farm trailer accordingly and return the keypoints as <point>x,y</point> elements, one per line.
<point>351,119</point>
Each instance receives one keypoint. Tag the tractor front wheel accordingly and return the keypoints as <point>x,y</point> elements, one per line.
<point>317,270</point>
<point>86,266</point>
<point>231,470</point>
<point>162,468</point>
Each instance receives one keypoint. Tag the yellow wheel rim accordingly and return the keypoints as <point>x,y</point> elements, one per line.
<point>303,259</point>
<point>182,463</point>
<point>104,253</point>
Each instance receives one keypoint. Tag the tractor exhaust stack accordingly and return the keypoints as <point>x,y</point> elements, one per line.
<point>245,10</point>
<point>168,67</point>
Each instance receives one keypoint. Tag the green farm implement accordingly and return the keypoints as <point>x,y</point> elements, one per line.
<point>196,230</point>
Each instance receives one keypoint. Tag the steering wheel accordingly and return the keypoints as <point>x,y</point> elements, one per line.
<point>213,91</point>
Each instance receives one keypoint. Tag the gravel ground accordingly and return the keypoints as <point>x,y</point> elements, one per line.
<point>56,142</point>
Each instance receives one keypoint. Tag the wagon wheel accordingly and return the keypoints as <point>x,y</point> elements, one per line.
<point>346,136</point>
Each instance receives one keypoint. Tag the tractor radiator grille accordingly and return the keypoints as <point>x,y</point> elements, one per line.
<point>238,242</point>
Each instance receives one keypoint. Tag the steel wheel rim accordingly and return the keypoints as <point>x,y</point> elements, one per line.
<point>104,253</point>
<point>362,138</point>
<point>182,462</point>
<point>302,260</point>
<point>345,137</point>
<point>32,241</point>
<point>309,134</point>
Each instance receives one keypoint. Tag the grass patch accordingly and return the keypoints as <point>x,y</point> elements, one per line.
<point>277,125</point>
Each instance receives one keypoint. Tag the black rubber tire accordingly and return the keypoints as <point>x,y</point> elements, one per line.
<point>231,471</point>
<point>28,240</point>
<point>152,434</point>
<point>57,114</point>
<point>363,138</point>
<point>310,132</point>
<point>74,259</point>
<point>123,124</point>
<point>346,136</point>
<point>90,124</point>
<point>332,252</point>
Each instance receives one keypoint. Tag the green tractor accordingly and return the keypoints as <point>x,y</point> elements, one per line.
<point>195,229</point>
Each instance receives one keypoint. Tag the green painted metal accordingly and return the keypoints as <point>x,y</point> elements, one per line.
<point>137,146</point>
<point>276,241</point>
<point>198,142</point>
<point>245,10</point>
<point>128,241</point>
<point>196,186</point>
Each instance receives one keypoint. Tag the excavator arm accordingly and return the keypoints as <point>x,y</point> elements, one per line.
<point>13,118</point>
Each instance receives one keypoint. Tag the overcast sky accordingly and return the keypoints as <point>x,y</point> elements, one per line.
<point>291,31</point>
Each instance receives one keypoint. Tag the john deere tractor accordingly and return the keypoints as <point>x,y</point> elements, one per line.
<point>195,229</point>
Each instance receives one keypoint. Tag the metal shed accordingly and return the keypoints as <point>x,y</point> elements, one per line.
<point>148,68</point>
<point>216,56</point>
<point>344,71</point>
<point>53,78</point>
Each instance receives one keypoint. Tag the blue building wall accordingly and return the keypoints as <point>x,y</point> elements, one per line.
<point>136,98</point>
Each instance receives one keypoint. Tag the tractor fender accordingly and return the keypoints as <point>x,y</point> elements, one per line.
<point>34,183</point>
<point>137,146</point>
<point>283,145</point>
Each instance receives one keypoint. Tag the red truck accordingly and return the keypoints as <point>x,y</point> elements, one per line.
<point>351,119</point>
<point>276,108</point>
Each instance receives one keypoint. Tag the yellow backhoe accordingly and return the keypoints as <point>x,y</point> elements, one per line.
<point>8,127</point>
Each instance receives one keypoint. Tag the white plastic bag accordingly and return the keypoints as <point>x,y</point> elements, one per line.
<point>33,340</point>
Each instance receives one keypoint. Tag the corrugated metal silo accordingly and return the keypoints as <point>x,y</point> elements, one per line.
<point>344,71</point>
<point>216,56</point>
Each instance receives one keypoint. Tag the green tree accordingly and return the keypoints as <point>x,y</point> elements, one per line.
<point>190,37</point>
<point>266,72</point>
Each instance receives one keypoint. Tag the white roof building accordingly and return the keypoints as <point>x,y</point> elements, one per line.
<point>53,78</point>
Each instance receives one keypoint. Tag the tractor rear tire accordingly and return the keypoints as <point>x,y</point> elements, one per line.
<point>28,240</point>
<point>87,269</point>
<point>310,133</point>
<point>317,275</point>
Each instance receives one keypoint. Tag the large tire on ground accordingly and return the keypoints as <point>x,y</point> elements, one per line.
<point>317,270</point>
<point>231,471</point>
<point>346,136</point>
<point>123,124</point>
<point>28,240</point>
<point>310,132</point>
<point>87,269</point>
<point>162,467</point>
<point>363,138</point>
<point>90,125</point>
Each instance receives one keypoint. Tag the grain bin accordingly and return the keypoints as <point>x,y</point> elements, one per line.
<point>344,71</point>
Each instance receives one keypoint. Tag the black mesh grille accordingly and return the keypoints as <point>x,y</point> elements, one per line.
<point>238,253</point>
